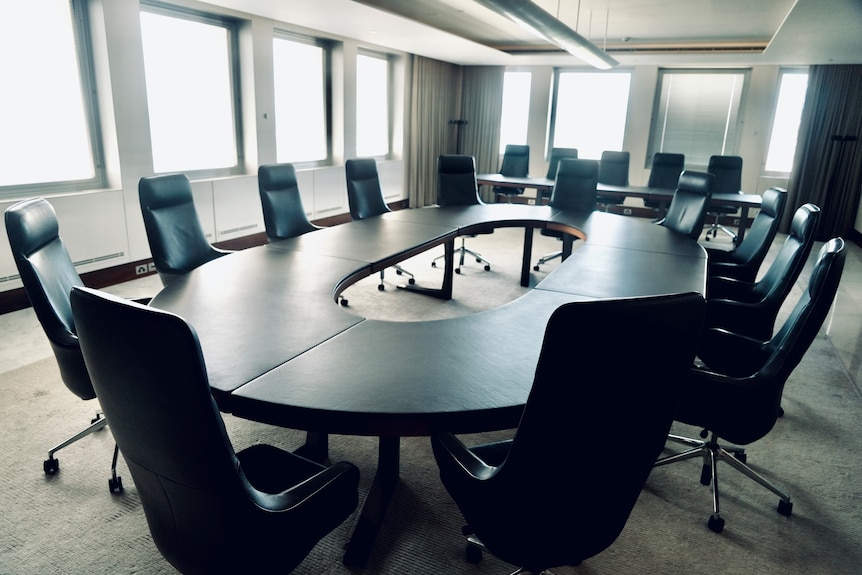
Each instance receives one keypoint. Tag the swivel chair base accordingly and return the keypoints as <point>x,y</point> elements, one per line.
<point>52,465</point>
<point>715,227</point>
<point>398,270</point>
<point>712,452</point>
<point>475,549</point>
<point>546,258</point>
<point>464,250</point>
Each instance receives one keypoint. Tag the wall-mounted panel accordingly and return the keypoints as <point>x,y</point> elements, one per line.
<point>237,208</point>
<point>305,181</point>
<point>391,175</point>
<point>330,192</point>
<point>202,192</point>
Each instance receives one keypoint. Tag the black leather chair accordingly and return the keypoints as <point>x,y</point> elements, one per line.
<point>614,171</point>
<point>741,406</point>
<point>516,164</point>
<point>283,213</point>
<point>687,210</point>
<point>574,189</point>
<point>174,232</point>
<point>728,179</point>
<point>366,199</point>
<point>535,501</point>
<point>209,509</point>
<point>664,173</point>
<point>557,154</point>
<point>750,308</point>
<point>456,186</point>
<point>743,262</point>
<point>49,275</point>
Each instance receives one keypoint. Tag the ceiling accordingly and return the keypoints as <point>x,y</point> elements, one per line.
<point>634,32</point>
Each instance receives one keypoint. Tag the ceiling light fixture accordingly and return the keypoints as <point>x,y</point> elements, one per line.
<point>544,25</point>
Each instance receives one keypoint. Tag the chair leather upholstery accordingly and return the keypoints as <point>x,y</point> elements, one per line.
<point>516,164</point>
<point>177,240</point>
<point>209,509</point>
<point>575,186</point>
<point>666,169</point>
<point>558,154</point>
<point>535,501</point>
<point>744,262</point>
<point>750,308</point>
<point>614,171</point>
<point>728,174</point>
<point>363,189</point>
<point>456,181</point>
<point>687,210</point>
<point>283,213</point>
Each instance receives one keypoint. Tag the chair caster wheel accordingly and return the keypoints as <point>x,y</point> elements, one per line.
<point>473,554</point>
<point>478,261</point>
<point>535,268</point>
<point>715,524</point>
<point>381,287</point>
<point>51,466</point>
<point>433,264</point>
<point>399,272</point>
<point>785,507</point>
<point>115,485</point>
<point>457,270</point>
<point>487,268</point>
<point>343,302</point>
<point>411,281</point>
<point>705,475</point>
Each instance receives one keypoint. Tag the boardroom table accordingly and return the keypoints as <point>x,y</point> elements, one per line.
<point>280,350</point>
<point>662,196</point>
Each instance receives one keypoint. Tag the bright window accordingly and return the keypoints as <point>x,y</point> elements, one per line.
<point>48,133</point>
<point>299,71</point>
<point>188,61</point>
<point>372,105</point>
<point>516,109</point>
<point>697,114</point>
<point>785,125</point>
<point>590,111</point>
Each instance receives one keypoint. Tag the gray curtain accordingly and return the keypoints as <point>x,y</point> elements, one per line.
<point>481,108</point>
<point>434,98</point>
<point>827,170</point>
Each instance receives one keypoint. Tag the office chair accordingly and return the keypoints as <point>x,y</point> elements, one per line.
<point>728,179</point>
<point>533,501</point>
<point>516,164</point>
<point>614,171</point>
<point>750,308</point>
<point>557,154</point>
<point>687,209</point>
<point>283,213</point>
<point>742,406</point>
<point>456,186</point>
<point>209,509</point>
<point>744,261</point>
<point>574,189</point>
<point>366,199</point>
<point>664,173</point>
<point>48,275</point>
<point>174,232</point>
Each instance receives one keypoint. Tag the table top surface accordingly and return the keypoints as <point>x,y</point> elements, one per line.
<point>279,349</point>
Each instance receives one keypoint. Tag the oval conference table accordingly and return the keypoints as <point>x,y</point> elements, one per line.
<point>280,350</point>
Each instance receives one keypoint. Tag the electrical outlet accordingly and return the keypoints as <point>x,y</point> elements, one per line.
<point>140,269</point>
<point>627,211</point>
<point>151,267</point>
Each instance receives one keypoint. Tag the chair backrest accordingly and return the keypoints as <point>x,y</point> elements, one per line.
<point>558,154</point>
<point>363,189</point>
<point>666,169</point>
<point>614,168</point>
<point>687,210</point>
<point>754,247</point>
<point>728,174</point>
<point>580,385</point>
<point>456,181</point>
<point>575,186</point>
<point>174,232</point>
<point>283,212</point>
<point>516,161</point>
<point>49,275</point>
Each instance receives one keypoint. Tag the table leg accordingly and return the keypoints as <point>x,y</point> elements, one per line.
<point>743,223</point>
<point>374,509</point>
<point>445,291</point>
<point>525,259</point>
<point>316,447</point>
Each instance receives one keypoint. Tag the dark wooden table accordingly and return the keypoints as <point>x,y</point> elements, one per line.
<point>280,350</point>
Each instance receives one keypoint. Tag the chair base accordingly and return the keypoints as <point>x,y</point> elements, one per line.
<point>52,465</point>
<point>463,250</point>
<point>712,452</point>
<point>546,258</point>
<point>715,227</point>
<point>398,270</point>
<point>475,549</point>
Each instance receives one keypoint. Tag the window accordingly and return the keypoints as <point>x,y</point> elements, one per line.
<point>372,105</point>
<point>785,125</point>
<point>516,109</point>
<point>50,135</point>
<point>300,69</point>
<point>589,111</point>
<point>191,91</point>
<point>697,114</point>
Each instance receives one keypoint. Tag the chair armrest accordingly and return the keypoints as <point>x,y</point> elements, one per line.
<point>461,455</point>
<point>748,319</point>
<point>731,353</point>
<point>719,287</point>
<point>341,476</point>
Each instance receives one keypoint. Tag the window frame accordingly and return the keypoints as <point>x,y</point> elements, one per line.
<point>86,72</point>
<point>390,95</point>
<point>797,70</point>
<point>232,25</point>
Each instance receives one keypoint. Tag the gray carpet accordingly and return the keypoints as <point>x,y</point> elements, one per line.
<point>69,523</point>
